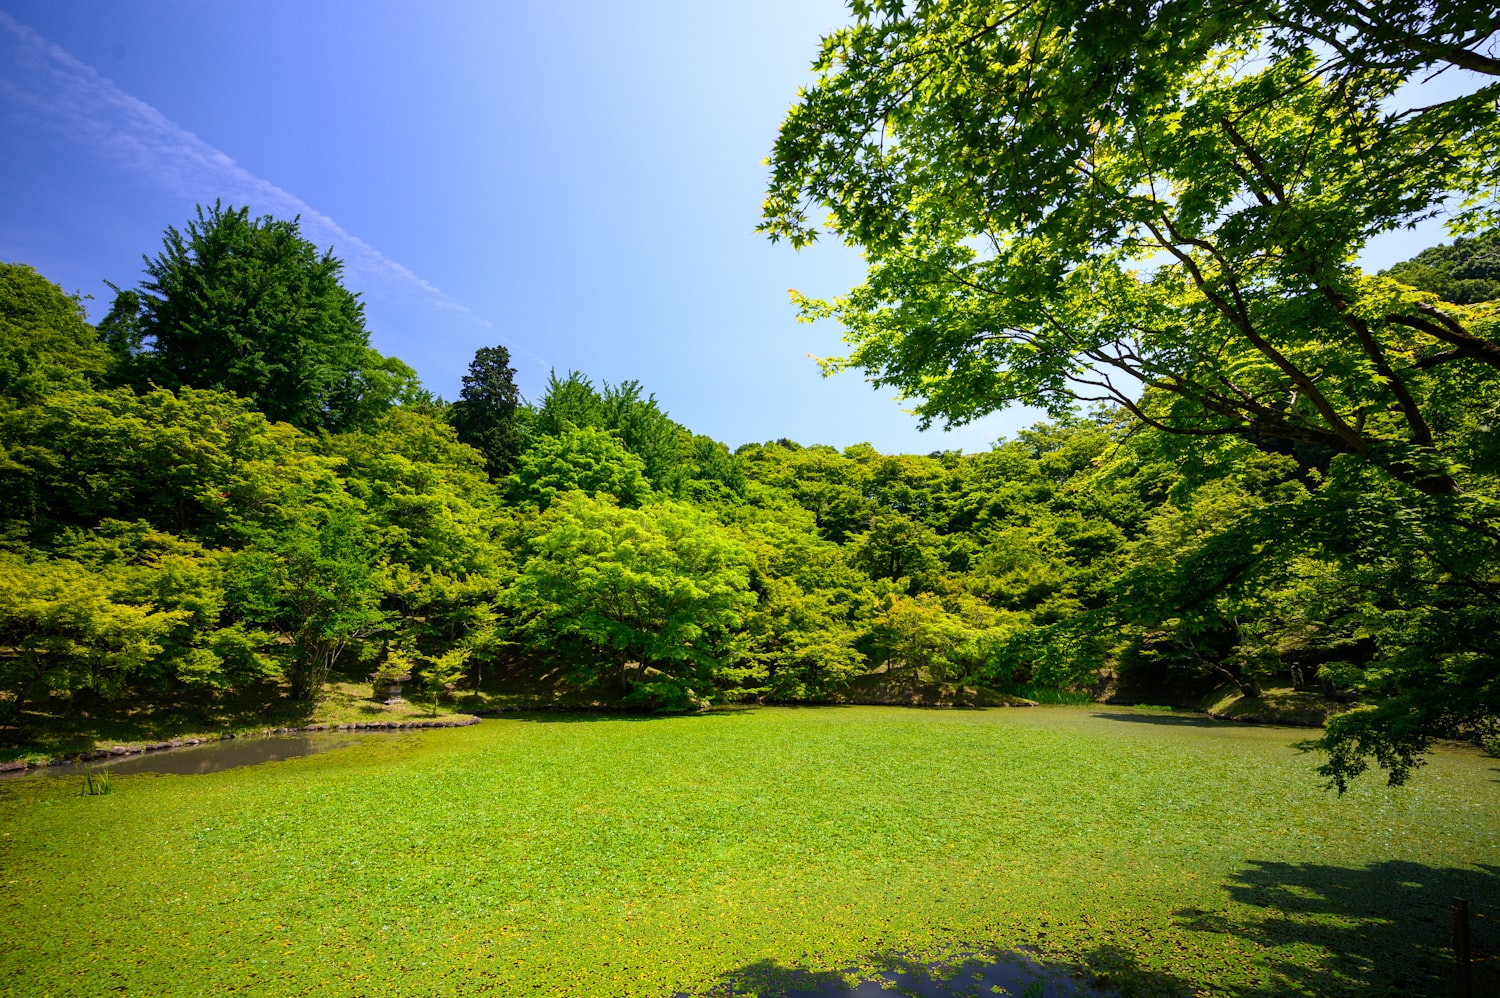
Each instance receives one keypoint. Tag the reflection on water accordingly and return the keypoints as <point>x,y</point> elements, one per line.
<point>212,757</point>
<point>1014,974</point>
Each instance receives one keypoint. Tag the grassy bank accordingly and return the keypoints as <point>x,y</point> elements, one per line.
<point>573,854</point>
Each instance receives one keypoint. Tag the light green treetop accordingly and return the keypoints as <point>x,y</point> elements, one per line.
<point>1141,205</point>
<point>661,589</point>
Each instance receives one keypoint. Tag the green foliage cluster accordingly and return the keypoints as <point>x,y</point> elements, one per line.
<point>248,306</point>
<point>1465,272</point>
<point>757,851</point>
<point>169,543</point>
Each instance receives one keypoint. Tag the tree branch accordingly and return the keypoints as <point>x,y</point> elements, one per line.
<point>1449,330</point>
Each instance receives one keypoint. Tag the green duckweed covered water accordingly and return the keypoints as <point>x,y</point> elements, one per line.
<point>746,851</point>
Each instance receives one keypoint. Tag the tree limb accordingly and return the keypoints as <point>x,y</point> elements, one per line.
<point>1449,330</point>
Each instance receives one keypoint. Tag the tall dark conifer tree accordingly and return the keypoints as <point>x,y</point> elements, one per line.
<point>485,413</point>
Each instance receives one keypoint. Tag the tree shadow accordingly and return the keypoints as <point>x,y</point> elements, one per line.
<point>1172,720</point>
<point>586,715</point>
<point>1108,971</point>
<point>1331,931</point>
<point>1384,929</point>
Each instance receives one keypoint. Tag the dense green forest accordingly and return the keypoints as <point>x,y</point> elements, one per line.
<point>223,486</point>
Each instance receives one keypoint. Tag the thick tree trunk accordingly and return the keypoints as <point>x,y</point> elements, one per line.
<point>1248,685</point>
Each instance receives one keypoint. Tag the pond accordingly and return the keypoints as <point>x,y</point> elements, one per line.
<point>211,757</point>
<point>769,851</point>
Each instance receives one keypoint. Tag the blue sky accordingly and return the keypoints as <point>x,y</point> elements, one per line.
<point>577,182</point>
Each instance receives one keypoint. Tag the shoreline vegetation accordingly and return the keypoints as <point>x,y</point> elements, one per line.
<point>343,709</point>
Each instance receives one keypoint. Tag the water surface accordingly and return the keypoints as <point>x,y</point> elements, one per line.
<point>213,757</point>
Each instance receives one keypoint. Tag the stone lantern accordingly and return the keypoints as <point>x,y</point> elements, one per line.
<point>387,685</point>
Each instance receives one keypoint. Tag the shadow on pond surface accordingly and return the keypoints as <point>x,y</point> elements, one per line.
<point>1385,929</point>
<point>889,974</point>
<point>581,715</point>
<point>1175,720</point>
<point>1312,929</point>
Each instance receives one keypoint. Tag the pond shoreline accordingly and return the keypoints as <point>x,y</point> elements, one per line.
<point>140,748</point>
<point>473,716</point>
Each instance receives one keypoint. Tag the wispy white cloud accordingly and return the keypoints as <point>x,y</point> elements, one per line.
<point>43,82</point>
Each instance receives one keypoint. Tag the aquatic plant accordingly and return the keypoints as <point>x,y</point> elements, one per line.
<point>95,782</point>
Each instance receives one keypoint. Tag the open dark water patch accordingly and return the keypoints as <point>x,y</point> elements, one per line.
<point>1014,974</point>
<point>211,757</point>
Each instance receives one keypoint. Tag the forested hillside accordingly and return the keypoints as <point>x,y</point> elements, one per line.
<point>222,486</point>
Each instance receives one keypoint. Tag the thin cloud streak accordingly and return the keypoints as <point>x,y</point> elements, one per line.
<point>46,83</point>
